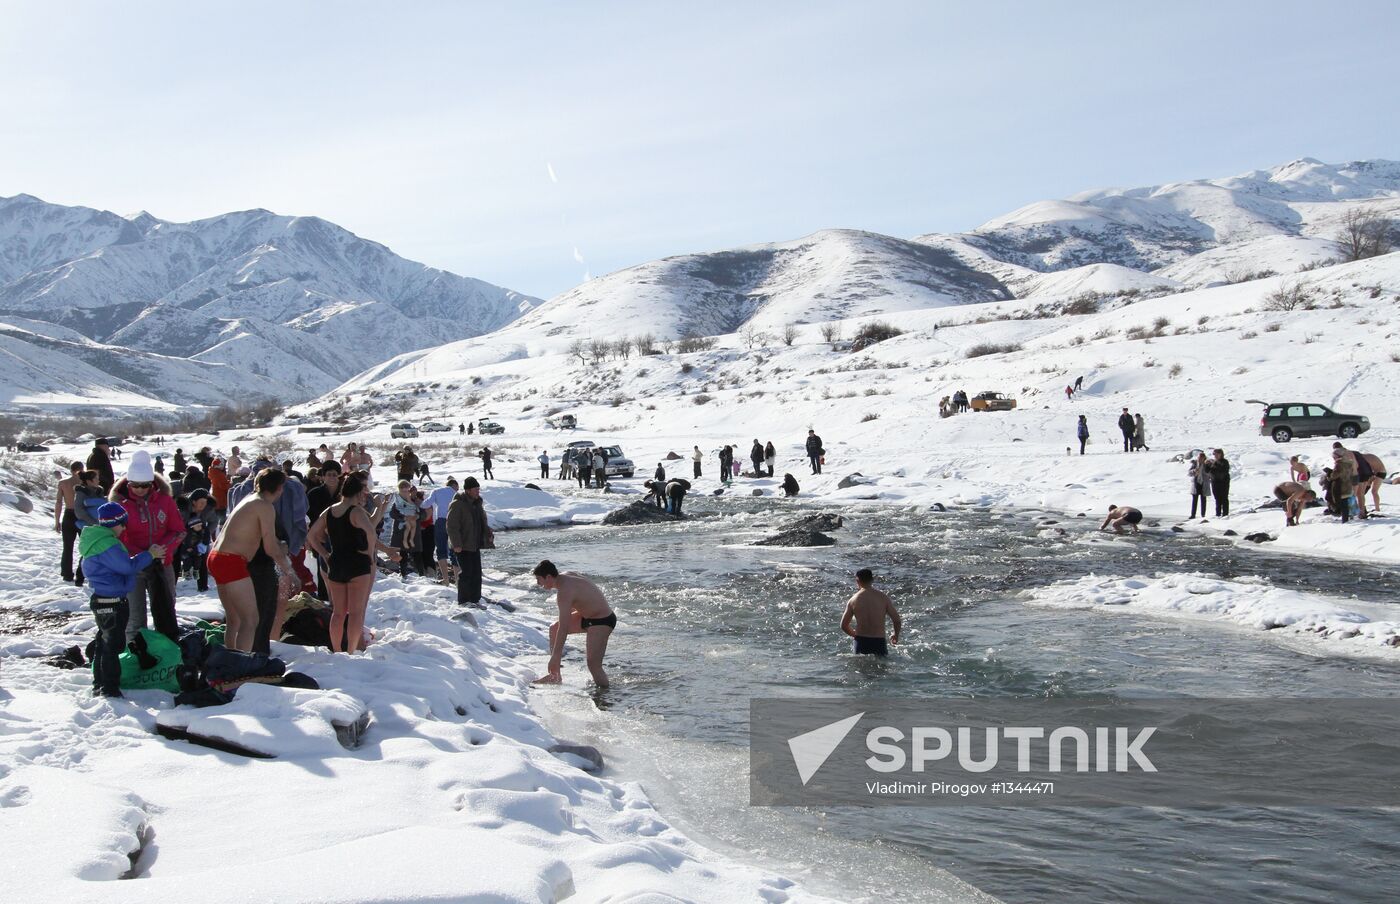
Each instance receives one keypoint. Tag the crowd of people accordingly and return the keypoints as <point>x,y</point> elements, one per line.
<point>1345,484</point>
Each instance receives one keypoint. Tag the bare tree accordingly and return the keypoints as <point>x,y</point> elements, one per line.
<point>789,334</point>
<point>598,350</point>
<point>579,349</point>
<point>749,335</point>
<point>668,345</point>
<point>624,347</point>
<point>831,332</point>
<point>1289,296</point>
<point>1364,233</point>
<point>646,344</point>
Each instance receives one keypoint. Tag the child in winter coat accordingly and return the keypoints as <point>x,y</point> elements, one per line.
<point>111,571</point>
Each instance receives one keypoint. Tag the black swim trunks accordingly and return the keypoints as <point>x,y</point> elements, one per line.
<point>1132,518</point>
<point>608,621</point>
<point>873,646</point>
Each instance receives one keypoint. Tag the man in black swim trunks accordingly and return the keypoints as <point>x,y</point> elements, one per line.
<point>1121,516</point>
<point>868,608</point>
<point>582,610</point>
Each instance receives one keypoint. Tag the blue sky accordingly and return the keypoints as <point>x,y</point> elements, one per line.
<point>670,127</point>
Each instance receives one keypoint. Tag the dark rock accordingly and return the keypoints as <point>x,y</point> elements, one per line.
<point>1259,537</point>
<point>1230,533</point>
<point>22,503</point>
<point>1178,529</point>
<point>639,512</point>
<point>718,491</point>
<point>851,480</point>
<point>823,522</point>
<point>529,486</point>
<point>351,734</point>
<point>798,538</point>
<point>940,506</point>
<point>583,752</point>
<point>756,493</point>
<point>671,456</point>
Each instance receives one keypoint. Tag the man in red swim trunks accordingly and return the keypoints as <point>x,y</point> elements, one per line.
<point>251,531</point>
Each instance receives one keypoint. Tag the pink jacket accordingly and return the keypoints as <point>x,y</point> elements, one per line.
<point>153,520</point>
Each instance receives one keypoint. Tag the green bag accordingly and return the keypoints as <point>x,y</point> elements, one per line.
<point>161,656</point>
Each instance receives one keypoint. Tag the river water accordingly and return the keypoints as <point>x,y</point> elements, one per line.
<point>708,622</point>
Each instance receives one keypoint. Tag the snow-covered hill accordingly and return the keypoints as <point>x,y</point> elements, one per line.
<point>1161,226</point>
<point>293,305</point>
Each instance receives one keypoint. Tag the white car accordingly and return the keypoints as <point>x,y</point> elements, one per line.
<point>435,427</point>
<point>403,431</point>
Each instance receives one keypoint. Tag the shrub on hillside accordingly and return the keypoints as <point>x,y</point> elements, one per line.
<point>1088,303</point>
<point>1289,297</point>
<point>992,348</point>
<point>873,332</point>
<point>701,399</point>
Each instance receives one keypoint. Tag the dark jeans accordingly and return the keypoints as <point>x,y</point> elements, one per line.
<point>544,471</point>
<point>427,549</point>
<point>676,500</point>
<point>697,469</point>
<point>1082,441</point>
<point>111,640</point>
<point>469,578</point>
<point>1127,440</point>
<point>264,575</point>
<point>160,599</point>
<point>70,537</point>
<point>816,463</point>
<point>1197,497</point>
<point>1222,499</point>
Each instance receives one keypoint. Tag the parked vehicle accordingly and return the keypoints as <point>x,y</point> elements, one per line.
<point>435,427</point>
<point>31,447</point>
<point>489,427</point>
<point>563,422</point>
<point>403,431</point>
<point>1285,420</point>
<point>619,465</point>
<point>991,401</point>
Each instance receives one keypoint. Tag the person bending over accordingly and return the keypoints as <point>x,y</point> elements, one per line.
<point>582,610</point>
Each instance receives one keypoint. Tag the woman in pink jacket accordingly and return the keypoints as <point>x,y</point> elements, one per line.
<point>153,519</point>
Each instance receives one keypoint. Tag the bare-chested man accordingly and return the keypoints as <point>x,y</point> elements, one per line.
<point>65,519</point>
<point>582,609</point>
<point>1295,497</point>
<point>251,531</point>
<point>1120,516</point>
<point>869,608</point>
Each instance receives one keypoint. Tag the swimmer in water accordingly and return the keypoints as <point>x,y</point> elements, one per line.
<point>868,608</point>
<point>582,610</point>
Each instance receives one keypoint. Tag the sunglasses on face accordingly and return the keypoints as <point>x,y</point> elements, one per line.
<point>139,486</point>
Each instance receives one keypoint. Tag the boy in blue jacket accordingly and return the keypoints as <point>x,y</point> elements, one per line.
<point>111,572</point>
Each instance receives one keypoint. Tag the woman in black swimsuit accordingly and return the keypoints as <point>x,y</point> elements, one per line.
<point>349,530</point>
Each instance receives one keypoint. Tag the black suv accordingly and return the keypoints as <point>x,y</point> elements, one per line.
<point>1285,420</point>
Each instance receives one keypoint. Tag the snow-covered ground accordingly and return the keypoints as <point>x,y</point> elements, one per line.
<point>453,794</point>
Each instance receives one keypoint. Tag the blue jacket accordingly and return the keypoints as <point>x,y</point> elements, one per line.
<point>86,503</point>
<point>1083,429</point>
<point>110,570</point>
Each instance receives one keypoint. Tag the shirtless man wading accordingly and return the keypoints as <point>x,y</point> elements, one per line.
<point>251,531</point>
<point>582,609</point>
<point>869,608</point>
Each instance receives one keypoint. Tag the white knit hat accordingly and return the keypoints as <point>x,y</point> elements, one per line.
<point>140,470</point>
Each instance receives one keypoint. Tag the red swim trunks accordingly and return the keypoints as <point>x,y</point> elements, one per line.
<point>226,567</point>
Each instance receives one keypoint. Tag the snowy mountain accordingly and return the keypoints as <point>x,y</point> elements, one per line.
<point>1152,229</point>
<point>292,306</point>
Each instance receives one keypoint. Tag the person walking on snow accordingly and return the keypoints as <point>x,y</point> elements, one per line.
<point>1083,430</point>
<point>486,471</point>
<point>1078,383</point>
<point>1069,392</point>
<point>697,457</point>
<point>1140,433</point>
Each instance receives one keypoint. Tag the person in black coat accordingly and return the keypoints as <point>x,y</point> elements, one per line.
<point>1219,469</point>
<point>790,486</point>
<point>815,451</point>
<point>1129,427</point>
